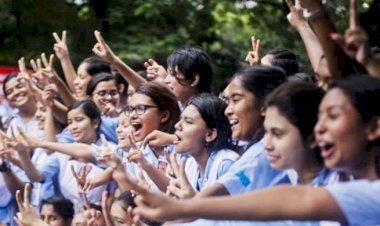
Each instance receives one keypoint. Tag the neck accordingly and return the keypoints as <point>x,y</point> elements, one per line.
<point>309,170</point>
<point>157,150</point>
<point>368,168</point>
<point>27,112</point>
<point>201,159</point>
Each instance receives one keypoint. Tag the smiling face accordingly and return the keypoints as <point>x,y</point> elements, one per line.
<point>17,94</point>
<point>191,132</point>
<point>179,85</point>
<point>81,81</point>
<point>283,141</point>
<point>244,117</point>
<point>40,115</point>
<point>143,124</point>
<point>81,127</point>
<point>106,93</point>
<point>340,132</point>
<point>123,130</point>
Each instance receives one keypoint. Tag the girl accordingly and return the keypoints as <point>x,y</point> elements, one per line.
<point>102,89</point>
<point>347,133</point>
<point>203,132</point>
<point>57,211</point>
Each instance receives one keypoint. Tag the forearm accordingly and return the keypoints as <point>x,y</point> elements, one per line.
<point>30,169</point>
<point>216,189</point>
<point>63,91</point>
<point>279,203</point>
<point>132,77</point>
<point>323,27</point>
<point>104,178</point>
<point>12,182</point>
<point>68,71</point>
<point>160,179</point>
<point>60,112</point>
<point>373,66</point>
<point>82,152</point>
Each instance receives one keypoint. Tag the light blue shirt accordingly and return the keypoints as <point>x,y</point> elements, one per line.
<point>252,171</point>
<point>359,201</point>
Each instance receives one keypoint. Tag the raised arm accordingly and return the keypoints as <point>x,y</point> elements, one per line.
<point>62,52</point>
<point>313,47</point>
<point>104,51</point>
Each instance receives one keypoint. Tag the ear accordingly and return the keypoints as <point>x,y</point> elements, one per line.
<point>211,135</point>
<point>373,130</point>
<point>96,123</point>
<point>165,116</point>
<point>195,81</point>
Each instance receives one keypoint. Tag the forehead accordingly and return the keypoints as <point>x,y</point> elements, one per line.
<point>191,112</point>
<point>336,98</point>
<point>48,209</point>
<point>274,118</point>
<point>138,98</point>
<point>106,85</point>
<point>75,112</point>
<point>11,83</point>
<point>235,86</point>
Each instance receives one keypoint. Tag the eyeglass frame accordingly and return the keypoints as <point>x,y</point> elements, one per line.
<point>134,109</point>
<point>112,93</point>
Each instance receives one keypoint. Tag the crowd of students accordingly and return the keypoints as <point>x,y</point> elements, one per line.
<point>110,146</point>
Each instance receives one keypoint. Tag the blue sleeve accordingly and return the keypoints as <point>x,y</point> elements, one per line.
<point>50,166</point>
<point>224,167</point>
<point>250,177</point>
<point>359,201</point>
<point>108,128</point>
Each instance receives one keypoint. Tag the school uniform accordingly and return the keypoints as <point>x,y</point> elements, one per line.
<point>217,164</point>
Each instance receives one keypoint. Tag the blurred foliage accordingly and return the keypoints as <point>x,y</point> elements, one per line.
<point>140,29</point>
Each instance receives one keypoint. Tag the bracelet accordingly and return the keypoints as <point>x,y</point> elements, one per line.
<point>316,14</point>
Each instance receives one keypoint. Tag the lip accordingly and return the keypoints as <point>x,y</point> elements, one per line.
<point>272,158</point>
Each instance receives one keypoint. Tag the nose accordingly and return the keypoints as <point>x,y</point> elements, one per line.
<point>178,126</point>
<point>228,110</point>
<point>167,79</point>
<point>320,127</point>
<point>267,142</point>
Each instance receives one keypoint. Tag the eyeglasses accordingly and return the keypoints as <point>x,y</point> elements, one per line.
<point>139,109</point>
<point>104,93</point>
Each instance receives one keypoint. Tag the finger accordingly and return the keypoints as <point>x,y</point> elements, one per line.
<point>141,174</point>
<point>99,38</point>
<point>85,201</point>
<point>174,190</point>
<point>132,141</point>
<point>74,172</point>
<point>104,141</point>
<point>258,46</point>
<point>253,40</point>
<point>21,65</point>
<point>34,65</point>
<point>39,64</point>
<point>21,132</point>
<point>64,36</point>
<point>20,204</point>
<point>147,139</point>
<point>290,4</point>
<point>152,62</point>
<point>174,164</point>
<point>298,4</point>
<point>51,61</point>
<point>184,179</point>
<point>146,65</point>
<point>44,60</point>
<point>354,22</point>
<point>26,194</point>
<point>79,207</point>
<point>56,37</point>
<point>339,39</point>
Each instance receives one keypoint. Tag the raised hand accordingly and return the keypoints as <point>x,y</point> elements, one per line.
<point>106,155</point>
<point>355,42</point>
<point>81,176</point>
<point>93,217</point>
<point>135,154</point>
<point>179,186</point>
<point>21,66</point>
<point>48,94</point>
<point>155,71</point>
<point>253,57</point>
<point>296,17</point>
<point>27,215</point>
<point>102,49</point>
<point>158,139</point>
<point>60,46</point>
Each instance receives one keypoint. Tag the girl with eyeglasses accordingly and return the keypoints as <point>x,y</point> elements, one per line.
<point>102,89</point>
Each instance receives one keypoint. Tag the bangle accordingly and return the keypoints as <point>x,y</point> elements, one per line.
<point>316,14</point>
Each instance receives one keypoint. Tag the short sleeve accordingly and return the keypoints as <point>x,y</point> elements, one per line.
<point>359,201</point>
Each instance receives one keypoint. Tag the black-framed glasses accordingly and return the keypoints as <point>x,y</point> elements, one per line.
<point>139,109</point>
<point>104,93</point>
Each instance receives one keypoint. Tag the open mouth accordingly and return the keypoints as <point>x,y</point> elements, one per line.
<point>136,126</point>
<point>327,149</point>
<point>178,139</point>
<point>233,123</point>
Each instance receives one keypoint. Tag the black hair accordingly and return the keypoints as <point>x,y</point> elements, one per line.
<point>298,102</point>
<point>164,99</point>
<point>303,76</point>
<point>285,59</point>
<point>191,61</point>
<point>98,78</point>
<point>211,108</point>
<point>89,108</point>
<point>62,206</point>
<point>364,93</point>
<point>6,80</point>
<point>260,81</point>
<point>96,65</point>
